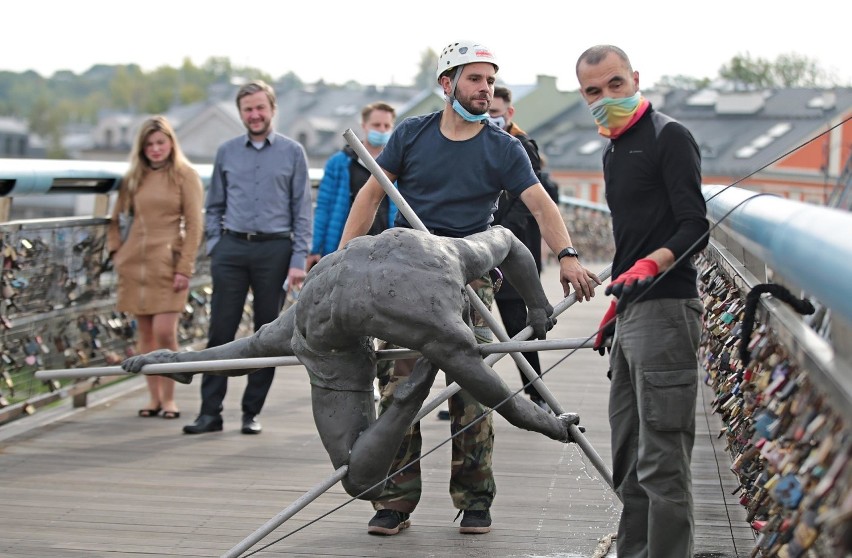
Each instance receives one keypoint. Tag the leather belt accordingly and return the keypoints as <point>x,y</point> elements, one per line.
<point>260,237</point>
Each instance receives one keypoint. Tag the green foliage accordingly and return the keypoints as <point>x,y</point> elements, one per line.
<point>50,104</point>
<point>425,78</point>
<point>788,70</point>
<point>682,82</point>
<point>290,81</point>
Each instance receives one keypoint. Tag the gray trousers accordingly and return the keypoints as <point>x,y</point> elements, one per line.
<point>652,417</point>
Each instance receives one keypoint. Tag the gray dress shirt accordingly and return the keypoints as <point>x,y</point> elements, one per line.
<point>264,190</point>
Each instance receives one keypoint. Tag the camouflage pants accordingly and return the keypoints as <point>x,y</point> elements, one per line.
<point>472,483</point>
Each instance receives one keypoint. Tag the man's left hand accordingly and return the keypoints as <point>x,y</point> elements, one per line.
<point>572,274</point>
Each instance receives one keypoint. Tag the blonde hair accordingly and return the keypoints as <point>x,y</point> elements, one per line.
<point>256,86</point>
<point>139,163</point>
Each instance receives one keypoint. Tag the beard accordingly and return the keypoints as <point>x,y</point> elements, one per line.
<point>262,131</point>
<point>468,104</point>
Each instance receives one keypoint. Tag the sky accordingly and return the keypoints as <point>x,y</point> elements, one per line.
<point>381,42</point>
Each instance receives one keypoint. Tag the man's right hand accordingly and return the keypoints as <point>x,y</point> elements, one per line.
<point>606,329</point>
<point>311,261</point>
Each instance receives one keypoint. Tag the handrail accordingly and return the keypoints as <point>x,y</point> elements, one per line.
<point>585,204</point>
<point>806,244</point>
<point>33,177</point>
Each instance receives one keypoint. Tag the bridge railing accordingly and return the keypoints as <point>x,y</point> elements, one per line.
<point>785,397</point>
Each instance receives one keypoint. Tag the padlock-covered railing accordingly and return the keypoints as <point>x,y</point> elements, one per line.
<point>784,391</point>
<point>590,226</point>
<point>58,310</point>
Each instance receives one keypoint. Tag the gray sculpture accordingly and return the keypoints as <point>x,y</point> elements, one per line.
<point>406,287</point>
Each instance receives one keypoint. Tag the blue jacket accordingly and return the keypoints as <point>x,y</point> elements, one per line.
<point>333,204</point>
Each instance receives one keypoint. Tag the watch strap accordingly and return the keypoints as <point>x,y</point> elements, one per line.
<point>569,251</point>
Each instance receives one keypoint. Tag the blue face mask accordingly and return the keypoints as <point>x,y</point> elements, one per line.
<point>499,121</point>
<point>377,138</point>
<point>464,113</point>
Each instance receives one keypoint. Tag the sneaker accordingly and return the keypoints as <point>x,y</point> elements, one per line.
<point>475,522</point>
<point>388,522</point>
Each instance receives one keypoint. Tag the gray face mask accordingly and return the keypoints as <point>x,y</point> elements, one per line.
<point>499,121</point>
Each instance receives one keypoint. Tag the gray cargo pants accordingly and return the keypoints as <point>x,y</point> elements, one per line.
<point>652,417</point>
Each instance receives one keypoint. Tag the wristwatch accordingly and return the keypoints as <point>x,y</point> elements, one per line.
<point>568,252</point>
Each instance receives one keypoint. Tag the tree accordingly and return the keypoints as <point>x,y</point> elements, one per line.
<point>48,119</point>
<point>219,67</point>
<point>788,70</point>
<point>682,82</point>
<point>289,81</point>
<point>794,70</point>
<point>425,78</point>
<point>127,88</point>
<point>748,72</point>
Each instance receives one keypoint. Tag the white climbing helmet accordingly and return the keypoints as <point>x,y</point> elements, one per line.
<point>461,53</point>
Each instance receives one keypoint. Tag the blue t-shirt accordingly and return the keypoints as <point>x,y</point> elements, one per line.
<point>453,186</point>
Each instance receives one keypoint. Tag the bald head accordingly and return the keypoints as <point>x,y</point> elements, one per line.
<point>594,55</point>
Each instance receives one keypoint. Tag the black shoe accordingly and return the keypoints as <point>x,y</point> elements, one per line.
<point>475,522</point>
<point>250,425</point>
<point>388,522</point>
<point>204,423</point>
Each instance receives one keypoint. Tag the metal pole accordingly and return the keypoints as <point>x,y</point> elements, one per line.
<point>274,362</point>
<point>169,367</point>
<point>287,513</point>
<point>480,307</point>
<point>415,222</point>
<point>428,407</point>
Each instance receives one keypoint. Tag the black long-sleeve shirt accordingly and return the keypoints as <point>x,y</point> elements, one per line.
<point>653,188</point>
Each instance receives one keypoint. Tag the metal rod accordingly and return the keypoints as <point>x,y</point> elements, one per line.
<point>537,345</point>
<point>170,367</point>
<point>385,183</point>
<point>287,513</point>
<point>480,306</point>
<point>273,362</point>
<point>416,223</point>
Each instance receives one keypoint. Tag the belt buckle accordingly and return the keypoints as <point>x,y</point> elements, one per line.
<point>250,235</point>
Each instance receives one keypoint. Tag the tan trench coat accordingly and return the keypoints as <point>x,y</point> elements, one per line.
<point>167,228</point>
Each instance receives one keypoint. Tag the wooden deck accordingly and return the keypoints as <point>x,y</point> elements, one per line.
<point>103,482</point>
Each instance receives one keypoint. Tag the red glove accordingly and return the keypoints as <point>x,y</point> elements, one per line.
<point>606,330</point>
<point>633,282</point>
